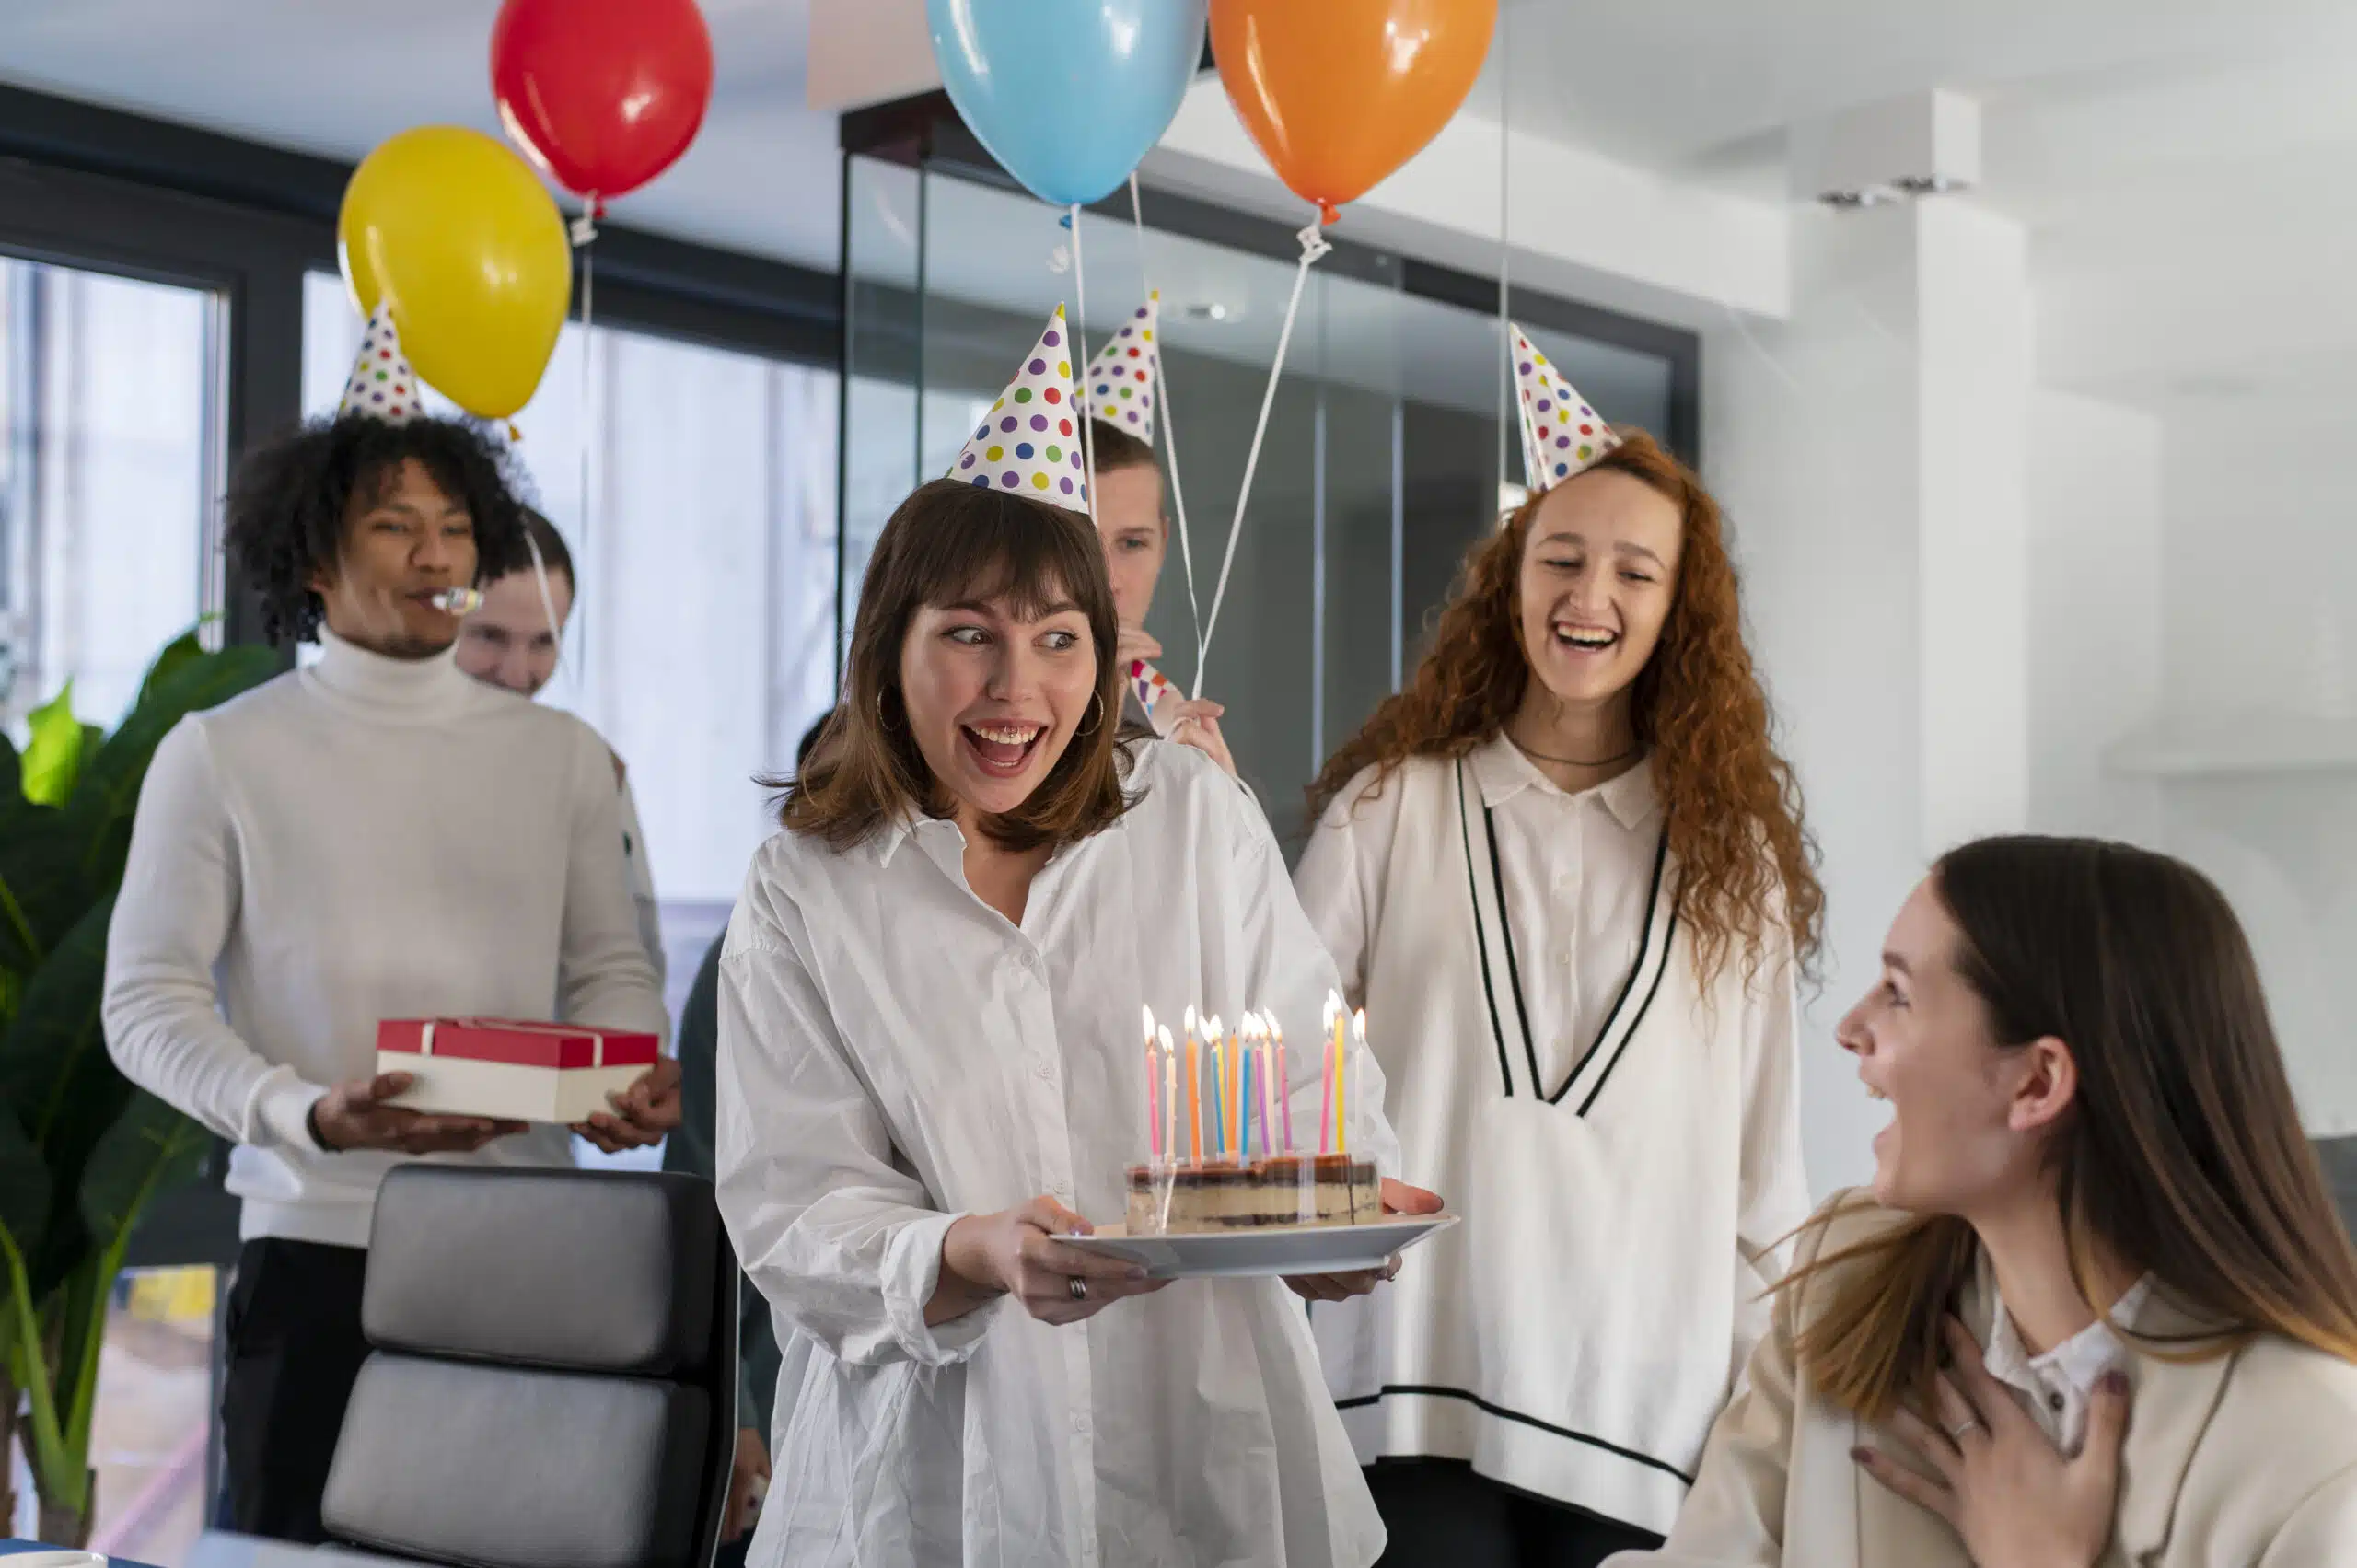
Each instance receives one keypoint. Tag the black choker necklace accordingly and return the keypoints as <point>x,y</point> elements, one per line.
<point>1572,761</point>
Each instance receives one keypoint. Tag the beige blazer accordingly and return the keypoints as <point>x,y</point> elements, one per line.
<point>2247,1460</point>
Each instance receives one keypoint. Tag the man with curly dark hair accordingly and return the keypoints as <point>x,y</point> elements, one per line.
<point>374,836</point>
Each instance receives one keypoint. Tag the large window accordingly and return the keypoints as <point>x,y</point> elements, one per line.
<point>703,640</point>
<point>110,459</point>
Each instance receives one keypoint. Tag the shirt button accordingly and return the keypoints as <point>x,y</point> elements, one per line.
<point>1082,1423</point>
<point>2054,1402</point>
<point>1045,1071</point>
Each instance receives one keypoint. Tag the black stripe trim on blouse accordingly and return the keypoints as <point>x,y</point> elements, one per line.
<point>1433,1391</point>
<point>1622,1049</point>
<point>1506,929</point>
<point>1645,953</point>
<point>1473,893</point>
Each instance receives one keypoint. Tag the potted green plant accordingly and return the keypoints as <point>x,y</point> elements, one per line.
<point>82,1152</point>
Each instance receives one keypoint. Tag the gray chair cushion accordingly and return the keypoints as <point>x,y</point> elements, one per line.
<point>591,1471</point>
<point>569,1269</point>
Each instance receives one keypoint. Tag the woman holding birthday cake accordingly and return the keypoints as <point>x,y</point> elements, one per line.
<point>1565,867</point>
<point>930,1072</point>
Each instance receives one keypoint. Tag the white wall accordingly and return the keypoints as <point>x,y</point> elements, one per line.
<point>1810,441</point>
<point>2094,625</point>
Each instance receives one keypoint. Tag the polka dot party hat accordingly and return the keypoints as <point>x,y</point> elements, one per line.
<point>1560,435</point>
<point>1120,383</point>
<point>1030,441</point>
<point>382,385</point>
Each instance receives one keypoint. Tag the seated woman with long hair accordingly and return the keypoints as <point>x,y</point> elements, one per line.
<point>2094,1196</point>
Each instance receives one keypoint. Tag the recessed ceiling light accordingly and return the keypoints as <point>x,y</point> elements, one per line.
<point>1206,310</point>
<point>1851,200</point>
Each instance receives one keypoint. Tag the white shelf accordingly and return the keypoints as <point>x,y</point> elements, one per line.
<point>2258,745</point>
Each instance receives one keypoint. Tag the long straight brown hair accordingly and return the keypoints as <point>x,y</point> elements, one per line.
<point>2183,1156</point>
<point>949,544</point>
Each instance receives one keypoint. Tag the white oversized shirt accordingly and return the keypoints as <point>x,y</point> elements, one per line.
<point>893,1055</point>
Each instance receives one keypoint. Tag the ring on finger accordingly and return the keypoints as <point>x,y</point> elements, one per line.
<point>1078,1287</point>
<point>1969,1423</point>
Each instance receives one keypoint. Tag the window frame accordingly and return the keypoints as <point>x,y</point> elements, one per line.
<point>106,190</point>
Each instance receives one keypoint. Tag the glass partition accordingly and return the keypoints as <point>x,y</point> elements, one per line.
<point>1382,458</point>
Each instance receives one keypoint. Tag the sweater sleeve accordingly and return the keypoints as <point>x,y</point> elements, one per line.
<point>605,977</point>
<point>1340,879</point>
<point>180,897</point>
<point>641,885</point>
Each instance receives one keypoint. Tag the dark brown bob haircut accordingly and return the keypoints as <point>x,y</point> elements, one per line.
<point>949,544</point>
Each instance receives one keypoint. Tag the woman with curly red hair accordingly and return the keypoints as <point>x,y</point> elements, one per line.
<point>1565,872</point>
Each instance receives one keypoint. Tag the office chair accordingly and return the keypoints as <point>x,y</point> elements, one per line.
<point>551,1382</point>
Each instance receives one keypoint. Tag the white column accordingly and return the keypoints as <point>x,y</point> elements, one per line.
<point>1871,450</point>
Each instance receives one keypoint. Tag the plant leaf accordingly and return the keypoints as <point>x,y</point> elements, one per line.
<point>151,1148</point>
<point>54,753</point>
<point>56,1073</point>
<point>11,782</point>
<point>24,1185</point>
<point>42,886</point>
<point>189,644</point>
<point>107,795</point>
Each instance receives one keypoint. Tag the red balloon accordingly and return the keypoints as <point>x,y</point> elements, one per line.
<point>604,94</point>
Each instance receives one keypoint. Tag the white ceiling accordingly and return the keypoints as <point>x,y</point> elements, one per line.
<point>2185,165</point>
<point>338,76</point>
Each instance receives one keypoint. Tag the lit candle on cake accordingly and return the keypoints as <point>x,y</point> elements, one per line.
<point>1153,1092</point>
<point>1219,1085</point>
<point>1244,1106</point>
<point>1285,1079</point>
<point>1195,1090</point>
<point>1169,1098</point>
<point>1331,1050</point>
<point>1271,1089</point>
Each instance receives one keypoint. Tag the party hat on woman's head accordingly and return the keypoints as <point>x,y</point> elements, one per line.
<point>1120,383</point>
<point>1030,441</point>
<point>382,385</point>
<point>1560,435</point>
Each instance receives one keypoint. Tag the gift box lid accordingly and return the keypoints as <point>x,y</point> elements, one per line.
<point>519,1042</point>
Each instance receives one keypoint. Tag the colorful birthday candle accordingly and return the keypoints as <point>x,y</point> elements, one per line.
<point>1195,1090</point>
<point>1153,1092</point>
<point>1219,1085</point>
<point>1169,1098</point>
<point>1244,1118</point>
<point>1325,1072</point>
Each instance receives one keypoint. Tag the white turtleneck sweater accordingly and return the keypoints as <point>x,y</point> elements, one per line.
<point>366,839</point>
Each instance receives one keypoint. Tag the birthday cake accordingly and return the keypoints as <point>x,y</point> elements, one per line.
<point>1284,1190</point>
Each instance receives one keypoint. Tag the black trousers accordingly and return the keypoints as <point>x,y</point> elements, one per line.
<point>295,1348</point>
<point>1439,1512</point>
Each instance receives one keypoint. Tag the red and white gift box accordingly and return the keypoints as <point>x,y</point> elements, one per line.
<point>509,1069</point>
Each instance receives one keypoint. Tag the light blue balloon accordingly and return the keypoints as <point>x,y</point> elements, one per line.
<point>1068,95</point>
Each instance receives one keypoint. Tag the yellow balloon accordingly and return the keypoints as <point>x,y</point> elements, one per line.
<point>459,234</point>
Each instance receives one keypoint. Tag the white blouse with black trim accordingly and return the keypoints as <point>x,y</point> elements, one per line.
<point>1622,1142</point>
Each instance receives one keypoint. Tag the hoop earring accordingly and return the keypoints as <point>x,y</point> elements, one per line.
<point>1096,698</point>
<point>881,721</point>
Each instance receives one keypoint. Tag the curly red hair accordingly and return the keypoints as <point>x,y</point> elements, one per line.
<point>1730,802</point>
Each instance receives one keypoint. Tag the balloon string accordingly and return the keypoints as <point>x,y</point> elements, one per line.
<point>1169,434</point>
<point>584,231</point>
<point>1313,246</point>
<point>1080,358</point>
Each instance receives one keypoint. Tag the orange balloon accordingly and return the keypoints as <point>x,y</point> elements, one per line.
<point>1339,93</point>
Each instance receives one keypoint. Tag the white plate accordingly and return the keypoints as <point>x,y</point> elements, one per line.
<point>1272,1249</point>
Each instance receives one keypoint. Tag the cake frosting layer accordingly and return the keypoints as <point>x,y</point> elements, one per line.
<point>1283,1191</point>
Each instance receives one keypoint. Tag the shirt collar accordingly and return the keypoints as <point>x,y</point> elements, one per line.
<point>2078,1361</point>
<point>1503,772</point>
